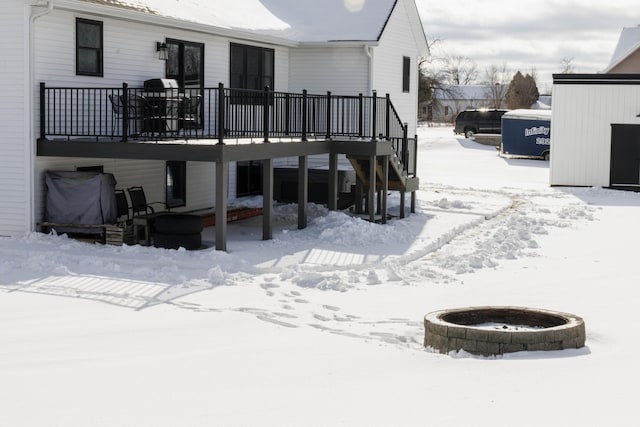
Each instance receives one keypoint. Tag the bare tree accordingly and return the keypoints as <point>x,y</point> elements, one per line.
<point>566,65</point>
<point>460,70</point>
<point>496,78</point>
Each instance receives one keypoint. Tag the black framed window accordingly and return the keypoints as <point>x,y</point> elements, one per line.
<point>89,47</point>
<point>251,67</point>
<point>185,64</point>
<point>406,74</point>
<point>249,178</point>
<point>176,185</point>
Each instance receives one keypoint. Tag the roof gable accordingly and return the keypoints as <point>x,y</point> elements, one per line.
<point>628,43</point>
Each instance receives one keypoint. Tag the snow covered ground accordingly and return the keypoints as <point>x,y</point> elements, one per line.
<point>324,326</point>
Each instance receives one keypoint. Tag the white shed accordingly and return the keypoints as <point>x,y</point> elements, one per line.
<point>596,130</point>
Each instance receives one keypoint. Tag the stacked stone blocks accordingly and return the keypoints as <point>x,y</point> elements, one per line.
<point>453,330</point>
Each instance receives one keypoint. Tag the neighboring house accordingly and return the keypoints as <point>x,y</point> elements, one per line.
<point>626,56</point>
<point>596,122</point>
<point>64,60</point>
<point>452,99</point>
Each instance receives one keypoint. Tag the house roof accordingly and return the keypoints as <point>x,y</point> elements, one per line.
<point>628,43</point>
<point>293,20</point>
<point>463,92</point>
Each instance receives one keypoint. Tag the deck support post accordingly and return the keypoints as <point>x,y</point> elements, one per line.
<point>413,202</point>
<point>402,203</point>
<point>358,195</point>
<point>303,191</point>
<point>385,187</point>
<point>267,199</point>
<point>222,174</point>
<point>332,203</point>
<point>371,201</point>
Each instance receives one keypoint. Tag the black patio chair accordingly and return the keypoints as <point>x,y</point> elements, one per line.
<point>139,204</point>
<point>122,206</point>
<point>189,113</point>
<point>116,111</point>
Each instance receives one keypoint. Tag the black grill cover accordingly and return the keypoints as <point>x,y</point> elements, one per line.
<point>158,85</point>
<point>80,198</point>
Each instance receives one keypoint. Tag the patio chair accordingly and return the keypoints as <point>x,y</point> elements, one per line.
<point>116,111</point>
<point>122,206</point>
<point>139,111</point>
<point>190,114</point>
<point>139,205</point>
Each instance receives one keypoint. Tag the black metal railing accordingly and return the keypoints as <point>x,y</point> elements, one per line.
<point>128,114</point>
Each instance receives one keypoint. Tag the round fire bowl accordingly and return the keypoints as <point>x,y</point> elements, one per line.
<point>490,331</point>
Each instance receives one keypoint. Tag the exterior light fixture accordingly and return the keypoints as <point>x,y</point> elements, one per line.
<point>163,51</point>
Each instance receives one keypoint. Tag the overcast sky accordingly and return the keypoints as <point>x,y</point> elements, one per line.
<point>530,34</point>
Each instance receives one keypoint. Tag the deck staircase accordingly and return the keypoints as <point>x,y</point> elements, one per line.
<point>399,179</point>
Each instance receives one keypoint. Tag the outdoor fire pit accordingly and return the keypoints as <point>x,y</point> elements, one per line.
<point>492,331</point>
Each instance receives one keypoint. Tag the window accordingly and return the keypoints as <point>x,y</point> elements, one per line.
<point>185,64</point>
<point>406,73</point>
<point>249,178</point>
<point>176,187</point>
<point>88,47</point>
<point>251,67</point>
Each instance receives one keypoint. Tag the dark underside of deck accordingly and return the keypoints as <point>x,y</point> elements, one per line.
<point>209,150</point>
<point>375,161</point>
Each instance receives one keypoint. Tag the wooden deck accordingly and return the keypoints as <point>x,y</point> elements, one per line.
<point>375,157</point>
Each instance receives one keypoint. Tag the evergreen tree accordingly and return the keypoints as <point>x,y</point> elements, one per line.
<point>523,91</point>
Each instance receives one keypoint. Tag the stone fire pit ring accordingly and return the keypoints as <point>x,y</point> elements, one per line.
<point>495,330</point>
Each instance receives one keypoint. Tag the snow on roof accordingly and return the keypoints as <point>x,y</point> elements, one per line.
<point>532,114</point>
<point>628,42</point>
<point>466,92</point>
<point>296,20</point>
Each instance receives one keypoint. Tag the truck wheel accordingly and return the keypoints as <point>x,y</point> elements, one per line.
<point>469,133</point>
<point>546,156</point>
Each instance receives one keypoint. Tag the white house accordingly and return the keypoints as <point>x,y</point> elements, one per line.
<point>57,51</point>
<point>596,122</point>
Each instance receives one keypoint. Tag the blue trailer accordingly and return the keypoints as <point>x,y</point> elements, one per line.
<point>526,133</point>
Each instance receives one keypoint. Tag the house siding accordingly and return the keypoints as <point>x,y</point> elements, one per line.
<point>341,70</point>
<point>130,56</point>
<point>129,53</point>
<point>14,120</point>
<point>387,68</point>
<point>581,132</point>
<point>629,65</point>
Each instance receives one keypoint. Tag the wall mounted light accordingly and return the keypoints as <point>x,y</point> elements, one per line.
<point>163,51</point>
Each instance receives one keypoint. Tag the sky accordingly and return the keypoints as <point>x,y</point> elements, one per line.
<point>531,34</point>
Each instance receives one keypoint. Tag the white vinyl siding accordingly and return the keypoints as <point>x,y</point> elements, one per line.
<point>130,56</point>
<point>341,70</point>
<point>395,44</point>
<point>14,120</point>
<point>581,130</point>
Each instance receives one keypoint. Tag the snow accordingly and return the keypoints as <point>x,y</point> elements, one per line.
<point>294,20</point>
<point>324,326</point>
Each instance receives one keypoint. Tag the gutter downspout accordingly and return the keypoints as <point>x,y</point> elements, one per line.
<point>368,50</point>
<point>31,112</point>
